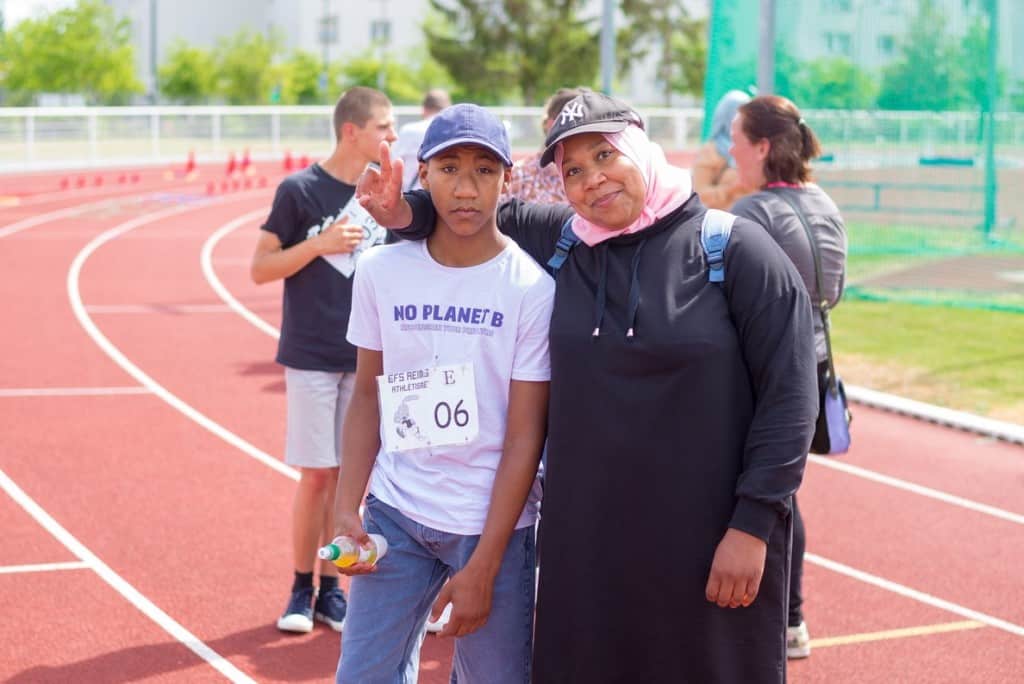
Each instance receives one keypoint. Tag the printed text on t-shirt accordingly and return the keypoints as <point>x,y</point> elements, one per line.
<point>451,314</point>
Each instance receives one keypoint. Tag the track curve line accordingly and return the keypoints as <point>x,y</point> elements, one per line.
<point>120,585</point>
<point>115,354</point>
<point>206,261</point>
<point>48,216</point>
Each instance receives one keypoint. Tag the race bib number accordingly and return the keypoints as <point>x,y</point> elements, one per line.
<point>428,407</point>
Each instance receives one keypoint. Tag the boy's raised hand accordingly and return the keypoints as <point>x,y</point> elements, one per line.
<point>380,192</point>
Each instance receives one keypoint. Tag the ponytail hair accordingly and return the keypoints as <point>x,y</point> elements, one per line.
<point>793,143</point>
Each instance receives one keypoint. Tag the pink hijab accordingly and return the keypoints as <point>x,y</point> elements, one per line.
<point>667,186</point>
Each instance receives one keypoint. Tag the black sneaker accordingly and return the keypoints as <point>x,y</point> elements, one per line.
<point>298,616</point>
<point>331,607</point>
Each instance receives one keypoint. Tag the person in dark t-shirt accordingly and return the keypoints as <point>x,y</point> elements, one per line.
<point>312,240</point>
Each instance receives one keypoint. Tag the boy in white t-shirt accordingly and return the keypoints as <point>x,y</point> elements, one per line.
<point>446,424</point>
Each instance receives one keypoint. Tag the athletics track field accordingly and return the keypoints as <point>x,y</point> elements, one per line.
<point>145,508</point>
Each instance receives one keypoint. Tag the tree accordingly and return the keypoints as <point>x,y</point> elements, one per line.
<point>404,81</point>
<point>244,66</point>
<point>928,75</point>
<point>497,50</point>
<point>189,74</point>
<point>300,79</point>
<point>974,61</point>
<point>680,41</point>
<point>833,83</point>
<point>81,49</point>
<point>1017,97</point>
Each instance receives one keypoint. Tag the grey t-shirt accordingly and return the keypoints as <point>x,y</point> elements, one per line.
<point>777,217</point>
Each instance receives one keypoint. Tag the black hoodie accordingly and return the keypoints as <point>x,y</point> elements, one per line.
<point>679,408</point>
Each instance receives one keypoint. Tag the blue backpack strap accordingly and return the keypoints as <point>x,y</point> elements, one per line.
<point>566,241</point>
<point>715,230</point>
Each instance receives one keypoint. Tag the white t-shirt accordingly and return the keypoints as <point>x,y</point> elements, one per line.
<point>420,314</point>
<point>407,146</point>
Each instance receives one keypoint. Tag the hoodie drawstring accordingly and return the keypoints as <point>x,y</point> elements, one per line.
<point>602,291</point>
<point>600,300</point>
<point>634,288</point>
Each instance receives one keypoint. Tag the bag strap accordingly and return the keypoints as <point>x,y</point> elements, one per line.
<point>715,230</point>
<point>823,304</point>
<point>566,241</point>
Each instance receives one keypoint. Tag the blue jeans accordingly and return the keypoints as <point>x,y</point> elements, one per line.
<point>387,610</point>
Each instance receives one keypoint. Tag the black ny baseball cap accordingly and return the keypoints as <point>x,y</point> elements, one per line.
<point>589,112</point>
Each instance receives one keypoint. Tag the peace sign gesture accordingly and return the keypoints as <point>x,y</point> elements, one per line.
<point>380,192</point>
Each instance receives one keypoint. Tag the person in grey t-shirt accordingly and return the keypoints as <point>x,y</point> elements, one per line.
<point>773,147</point>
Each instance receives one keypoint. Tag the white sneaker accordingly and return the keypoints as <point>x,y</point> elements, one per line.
<point>798,642</point>
<point>435,627</point>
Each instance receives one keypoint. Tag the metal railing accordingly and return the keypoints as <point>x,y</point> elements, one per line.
<point>39,138</point>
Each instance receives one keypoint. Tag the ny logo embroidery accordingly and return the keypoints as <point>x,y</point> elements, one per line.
<point>571,112</point>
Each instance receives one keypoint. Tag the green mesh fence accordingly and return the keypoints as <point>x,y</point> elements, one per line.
<point>898,93</point>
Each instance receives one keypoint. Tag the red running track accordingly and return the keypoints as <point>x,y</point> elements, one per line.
<point>146,527</point>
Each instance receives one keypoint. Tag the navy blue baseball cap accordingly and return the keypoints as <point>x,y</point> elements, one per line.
<point>589,112</point>
<point>466,124</point>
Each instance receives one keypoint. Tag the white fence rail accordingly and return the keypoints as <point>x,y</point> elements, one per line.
<point>40,138</point>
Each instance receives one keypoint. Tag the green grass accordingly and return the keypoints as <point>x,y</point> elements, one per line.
<point>967,359</point>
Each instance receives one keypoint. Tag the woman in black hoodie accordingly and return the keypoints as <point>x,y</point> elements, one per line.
<point>680,416</point>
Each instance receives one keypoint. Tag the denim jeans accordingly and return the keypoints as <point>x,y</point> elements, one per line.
<point>387,610</point>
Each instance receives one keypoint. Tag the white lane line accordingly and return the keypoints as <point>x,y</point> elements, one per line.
<point>39,219</point>
<point>70,212</point>
<point>918,489</point>
<point>75,297</point>
<point>70,391</point>
<point>206,261</point>
<point>916,595</point>
<point>44,567</point>
<point>120,585</point>
<point>890,634</point>
<point>156,308</point>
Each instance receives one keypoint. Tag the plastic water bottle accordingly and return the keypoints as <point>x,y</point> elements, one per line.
<point>344,551</point>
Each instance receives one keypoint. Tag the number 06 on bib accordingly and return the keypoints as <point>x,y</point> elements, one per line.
<point>428,407</point>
